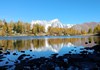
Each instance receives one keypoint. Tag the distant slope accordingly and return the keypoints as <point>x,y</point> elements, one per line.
<point>85,26</point>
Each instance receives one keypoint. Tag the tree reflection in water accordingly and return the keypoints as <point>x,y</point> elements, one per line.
<point>38,43</point>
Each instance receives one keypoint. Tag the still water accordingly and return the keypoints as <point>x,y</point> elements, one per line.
<point>43,46</point>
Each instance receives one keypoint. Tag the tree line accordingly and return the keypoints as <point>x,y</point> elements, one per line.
<point>24,28</point>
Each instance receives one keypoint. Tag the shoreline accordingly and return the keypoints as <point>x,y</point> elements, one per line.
<point>22,35</point>
<point>41,37</point>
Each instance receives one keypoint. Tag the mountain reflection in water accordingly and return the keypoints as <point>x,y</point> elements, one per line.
<point>48,43</point>
<point>52,44</point>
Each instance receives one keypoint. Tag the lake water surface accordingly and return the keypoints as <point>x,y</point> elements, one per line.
<point>43,46</point>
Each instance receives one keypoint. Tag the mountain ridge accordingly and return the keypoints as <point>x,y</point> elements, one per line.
<point>56,23</point>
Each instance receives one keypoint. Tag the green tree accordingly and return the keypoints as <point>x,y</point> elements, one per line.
<point>5,28</point>
<point>34,30</point>
<point>15,28</point>
<point>41,29</point>
<point>1,23</point>
<point>90,31</point>
<point>27,28</point>
<point>97,29</point>
<point>83,32</point>
<point>38,29</point>
<point>19,27</point>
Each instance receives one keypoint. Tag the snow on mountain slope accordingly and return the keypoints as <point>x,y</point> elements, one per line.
<point>68,25</point>
<point>52,23</point>
<point>46,24</point>
<point>56,23</point>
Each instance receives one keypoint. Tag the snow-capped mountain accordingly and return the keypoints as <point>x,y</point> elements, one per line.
<point>52,23</point>
<point>68,25</point>
<point>46,24</point>
<point>56,23</point>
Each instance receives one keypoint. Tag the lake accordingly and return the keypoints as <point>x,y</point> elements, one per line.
<point>43,46</point>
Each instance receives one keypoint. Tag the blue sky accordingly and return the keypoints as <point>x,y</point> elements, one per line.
<point>67,11</point>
